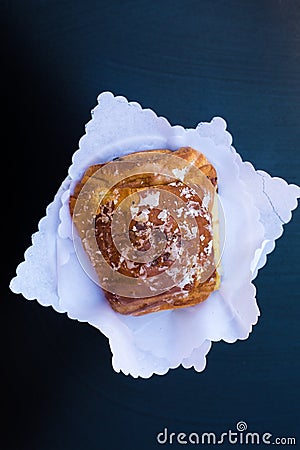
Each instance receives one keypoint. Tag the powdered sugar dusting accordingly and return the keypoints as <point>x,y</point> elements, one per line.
<point>150,199</point>
<point>206,200</point>
<point>180,173</point>
<point>163,215</point>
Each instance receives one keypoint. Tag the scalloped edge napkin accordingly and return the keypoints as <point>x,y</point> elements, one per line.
<point>256,206</point>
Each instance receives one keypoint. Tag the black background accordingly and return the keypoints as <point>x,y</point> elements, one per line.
<point>189,61</point>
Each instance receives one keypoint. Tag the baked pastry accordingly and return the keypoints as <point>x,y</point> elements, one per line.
<point>133,196</point>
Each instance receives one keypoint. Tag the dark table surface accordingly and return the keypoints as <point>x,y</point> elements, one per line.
<point>189,61</point>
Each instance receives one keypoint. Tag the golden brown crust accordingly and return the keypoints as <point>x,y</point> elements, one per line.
<point>195,290</point>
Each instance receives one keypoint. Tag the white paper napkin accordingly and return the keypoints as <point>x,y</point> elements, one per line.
<point>256,206</point>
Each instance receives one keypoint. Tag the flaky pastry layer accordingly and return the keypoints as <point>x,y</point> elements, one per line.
<point>196,286</point>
